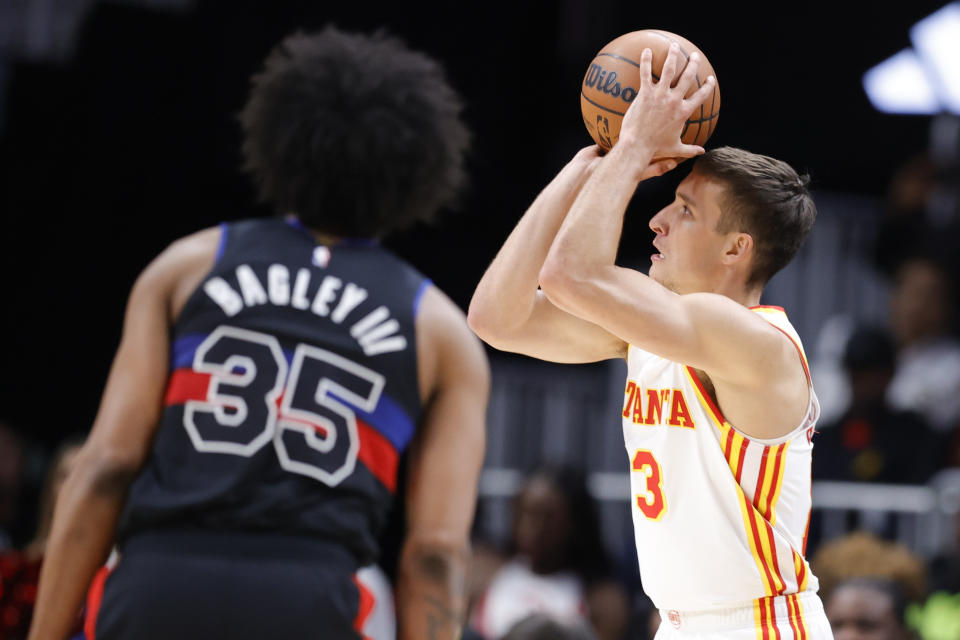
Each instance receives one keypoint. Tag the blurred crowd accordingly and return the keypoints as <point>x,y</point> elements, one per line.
<point>890,393</point>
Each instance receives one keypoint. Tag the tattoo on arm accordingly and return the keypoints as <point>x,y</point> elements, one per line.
<point>440,617</point>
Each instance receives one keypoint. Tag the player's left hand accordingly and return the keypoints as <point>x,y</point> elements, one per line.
<point>656,117</point>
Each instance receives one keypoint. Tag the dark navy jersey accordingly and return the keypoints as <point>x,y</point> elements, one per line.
<point>293,391</point>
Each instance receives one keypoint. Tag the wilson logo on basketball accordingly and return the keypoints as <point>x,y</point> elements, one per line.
<point>605,81</point>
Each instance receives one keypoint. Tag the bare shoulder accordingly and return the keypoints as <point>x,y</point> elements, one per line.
<point>747,347</point>
<point>447,350</point>
<point>180,268</point>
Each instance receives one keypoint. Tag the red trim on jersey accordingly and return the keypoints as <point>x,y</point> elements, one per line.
<point>802,574</point>
<point>763,619</point>
<point>706,396</point>
<point>803,358</point>
<point>792,617</point>
<point>759,489</point>
<point>364,607</point>
<point>768,306</point>
<point>800,619</point>
<point>775,481</point>
<point>378,455</point>
<point>776,558</point>
<point>744,443</point>
<point>728,447</point>
<point>756,539</point>
<point>773,618</point>
<point>94,600</point>
<point>186,384</point>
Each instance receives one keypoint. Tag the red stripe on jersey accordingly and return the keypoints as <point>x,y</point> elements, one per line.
<point>773,553</point>
<point>773,618</point>
<point>376,452</point>
<point>802,573</point>
<point>186,384</point>
<point>378,455</point>
<point>803,357</point>
<point>364,607</point>
<point>764,624</point>
<point>706,396</point>
<point>759,489</point>
<point>801,621</point>
<point>744,443</point>
<point>94,600</point>
<point>791,616</point>
<point>755,532</point>
<point>778,460</point>
<point>794,609</point>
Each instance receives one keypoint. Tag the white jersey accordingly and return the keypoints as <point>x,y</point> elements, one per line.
<point>720,518</point>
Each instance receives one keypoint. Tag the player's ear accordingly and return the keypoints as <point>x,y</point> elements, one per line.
<point>739,247</point>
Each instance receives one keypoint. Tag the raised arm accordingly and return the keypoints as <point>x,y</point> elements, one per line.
<point>740,351</point>
<point>93,494</point>
<point>510,313</point>
<point>444,469</point>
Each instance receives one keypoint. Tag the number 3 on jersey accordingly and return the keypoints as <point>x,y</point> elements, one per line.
<point>652,503</point>
<point>241,414</point>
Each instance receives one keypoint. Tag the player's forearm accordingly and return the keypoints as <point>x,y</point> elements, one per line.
<point>431,593</point>
<point>505,296</point>
<point>590,234</point>
<point>84,523</point>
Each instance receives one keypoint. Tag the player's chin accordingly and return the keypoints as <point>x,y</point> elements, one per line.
<point>656,271</point>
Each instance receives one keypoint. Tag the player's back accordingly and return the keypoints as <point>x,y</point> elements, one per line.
<point>293,390</point>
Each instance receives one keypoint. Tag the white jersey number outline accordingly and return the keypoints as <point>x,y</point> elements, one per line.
<point>253,418</point>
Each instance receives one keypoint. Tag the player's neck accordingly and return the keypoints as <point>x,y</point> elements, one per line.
<point>739,292</point>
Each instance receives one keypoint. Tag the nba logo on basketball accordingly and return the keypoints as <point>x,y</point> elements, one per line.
<point>674,617</point>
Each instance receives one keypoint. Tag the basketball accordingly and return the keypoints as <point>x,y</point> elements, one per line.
<point>613,78</point>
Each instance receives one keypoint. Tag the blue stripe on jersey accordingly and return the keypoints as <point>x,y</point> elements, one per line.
<point>389,418</point>
<point>222,245</point>
<point>183,349</point>
<point>416,299</point>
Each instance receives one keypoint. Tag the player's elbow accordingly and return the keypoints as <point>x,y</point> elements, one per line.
<point>560,284</point>
<point>436,557</point>
<point>108,471</point>
<point>491,324</point>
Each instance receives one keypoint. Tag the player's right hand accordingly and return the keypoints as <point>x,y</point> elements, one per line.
<point>658,114</point>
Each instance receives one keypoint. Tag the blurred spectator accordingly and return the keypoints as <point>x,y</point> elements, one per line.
<point>20,570</point>
<point>868,609</point>
<point>11,476</point>
<point>938,618</point>
<point>922,210</point>
<point>863,555</point>
<point>922,312</point>
<point>538,626</point>
<point>873,442</point>
<point>556,564</point>
<point>904,223</point>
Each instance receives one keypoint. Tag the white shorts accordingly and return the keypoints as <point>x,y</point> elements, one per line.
<point>794,617</point>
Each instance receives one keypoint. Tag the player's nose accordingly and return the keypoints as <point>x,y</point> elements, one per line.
<point>658,223</point>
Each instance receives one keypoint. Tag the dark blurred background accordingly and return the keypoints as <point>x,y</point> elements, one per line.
<point>118,134</point>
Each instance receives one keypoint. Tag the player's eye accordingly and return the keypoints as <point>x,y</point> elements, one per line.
<point>686,211</point>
